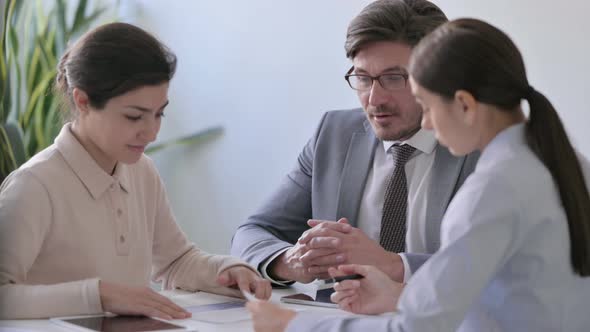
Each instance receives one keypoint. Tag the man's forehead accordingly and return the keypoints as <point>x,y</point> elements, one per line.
<point>391,69</point>
<point>382,56</point>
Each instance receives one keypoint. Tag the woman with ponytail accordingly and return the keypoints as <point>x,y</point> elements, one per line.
<point>515,240</point>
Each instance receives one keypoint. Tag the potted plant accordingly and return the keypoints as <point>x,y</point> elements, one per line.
<point>33,39</point>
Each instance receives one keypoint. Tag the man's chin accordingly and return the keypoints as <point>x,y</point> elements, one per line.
<point>387,134</point>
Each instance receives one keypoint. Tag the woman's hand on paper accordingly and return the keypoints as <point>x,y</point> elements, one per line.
<point>245,280</point>
<point>127,300</point>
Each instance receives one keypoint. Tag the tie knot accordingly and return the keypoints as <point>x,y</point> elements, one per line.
<point>401,153</point>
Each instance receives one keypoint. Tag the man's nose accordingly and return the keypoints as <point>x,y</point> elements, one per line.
<point>378,95</point>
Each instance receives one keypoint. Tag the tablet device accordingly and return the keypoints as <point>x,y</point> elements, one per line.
<point>112,323</point>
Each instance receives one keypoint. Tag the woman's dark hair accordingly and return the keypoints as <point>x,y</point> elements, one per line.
<point>111,60</point>
<point>403,21</point>
<point>471,55</point>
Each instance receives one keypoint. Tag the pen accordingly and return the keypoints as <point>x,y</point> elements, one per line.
<point>334,280</point>
<point>348,277</point>
<point>329,283</point>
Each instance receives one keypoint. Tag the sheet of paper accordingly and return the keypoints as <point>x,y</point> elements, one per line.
<point>212,308</point>
<point>215,309</point>
<point>200,298</point>
<point>215,306</point>
<point>17,329</point>
<point>222,316</point>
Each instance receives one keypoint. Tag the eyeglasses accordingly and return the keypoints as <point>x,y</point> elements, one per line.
<point>388,82</point>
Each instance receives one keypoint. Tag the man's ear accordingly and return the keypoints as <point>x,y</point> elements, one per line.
<point>468,106</point>
<point>81,101</point>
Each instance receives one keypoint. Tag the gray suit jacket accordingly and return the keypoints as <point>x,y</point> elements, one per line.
<point>328,183</point>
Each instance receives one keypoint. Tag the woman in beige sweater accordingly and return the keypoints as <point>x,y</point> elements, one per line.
<point>86,223</point>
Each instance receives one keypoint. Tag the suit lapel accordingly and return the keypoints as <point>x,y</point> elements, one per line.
<point>358,162</point>
<point>445,173</point>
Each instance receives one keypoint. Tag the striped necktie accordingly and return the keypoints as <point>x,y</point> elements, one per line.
<point>393,222</point>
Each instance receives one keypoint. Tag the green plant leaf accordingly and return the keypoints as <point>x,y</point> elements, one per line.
<point>17,8</point>
<point>5,18</point>
<point>12,148</point>
<point>61,24</point>
<point>47,45</point>
<point>5,90</point>
<point>79,17</point>
<point>84,24</point>
<point>5,95</point>
<point>30,38</point>
<point>13,40</point>
<point>38,125</point>
<point>196,138</point>
<point>41,17</point>
<point>8,162</point>
<point>13,60</point>
<point>14,137</point>
<point>3,68</point>
<point>52,122</point>
<point>33,69</point>
<point>38,93</point>
<point>5,22</point>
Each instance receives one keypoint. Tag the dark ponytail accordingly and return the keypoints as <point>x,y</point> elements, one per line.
<point>546,136</point>
<point>474,56</point>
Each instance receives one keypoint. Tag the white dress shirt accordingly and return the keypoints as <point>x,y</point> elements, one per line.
<point>504,262</point>
<point>418,172</point>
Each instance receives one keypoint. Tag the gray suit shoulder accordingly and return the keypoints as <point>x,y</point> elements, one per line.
<point>344,119</point>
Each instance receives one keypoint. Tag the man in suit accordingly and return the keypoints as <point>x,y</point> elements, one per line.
<point>384,180</point>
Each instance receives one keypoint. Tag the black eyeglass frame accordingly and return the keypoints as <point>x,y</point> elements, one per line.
<point>375,78</point>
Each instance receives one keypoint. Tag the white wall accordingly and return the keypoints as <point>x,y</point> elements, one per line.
<point>266,70</point>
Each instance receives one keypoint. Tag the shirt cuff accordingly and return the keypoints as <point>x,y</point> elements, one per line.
<point>266,263</point>
<point>91,294</point>
<point>407,271</point>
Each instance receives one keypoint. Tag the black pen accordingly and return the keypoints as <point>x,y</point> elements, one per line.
<point>329,283</point>
<point>341,278</point>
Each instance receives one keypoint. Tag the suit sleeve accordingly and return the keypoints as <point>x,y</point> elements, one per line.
<point>283,217</point>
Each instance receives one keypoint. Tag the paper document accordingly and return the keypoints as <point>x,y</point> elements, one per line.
<point>223,316</point>
<point>216,306</point>
<point>212,308</point>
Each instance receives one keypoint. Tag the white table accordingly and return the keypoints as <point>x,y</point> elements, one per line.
<point>183,297</point>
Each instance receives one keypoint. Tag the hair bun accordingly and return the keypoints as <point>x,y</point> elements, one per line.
<point>61,77</point>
